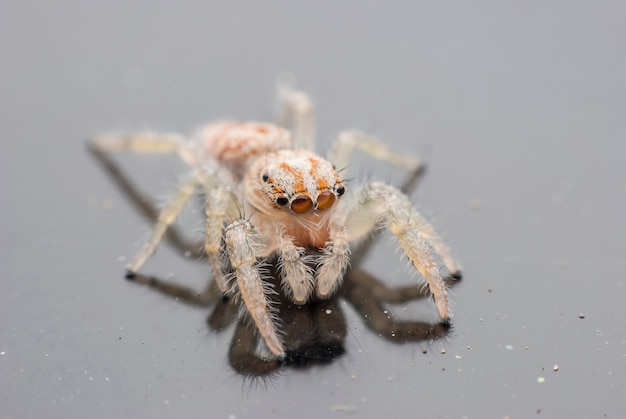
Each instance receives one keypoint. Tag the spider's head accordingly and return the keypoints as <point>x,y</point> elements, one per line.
<point>297,181</point>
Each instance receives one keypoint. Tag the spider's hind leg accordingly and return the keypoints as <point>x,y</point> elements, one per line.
<point>146,142</point>
<point>343,147</point>
<point>297,112</point>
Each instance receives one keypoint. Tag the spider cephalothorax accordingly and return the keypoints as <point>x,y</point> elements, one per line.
<point>296,180</point>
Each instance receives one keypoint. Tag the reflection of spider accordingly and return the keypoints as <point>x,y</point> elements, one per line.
<point>312,333</point>
<point>268,194</point>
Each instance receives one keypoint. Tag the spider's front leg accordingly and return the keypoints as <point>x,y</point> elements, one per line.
<point>296,274</point>
<point>380,203</point>
<point>333,263</point>
<point>243,244</point>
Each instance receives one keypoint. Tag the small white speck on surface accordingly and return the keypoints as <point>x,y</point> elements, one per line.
<point>555,367</point>
<point>457,356</point>
<point>329,311</point>
<point>541,380</point>
<point>475,204</point>
<point>443,351</point>
<point>389,378</point>
<point>509,347</point>
<point>3,353</point>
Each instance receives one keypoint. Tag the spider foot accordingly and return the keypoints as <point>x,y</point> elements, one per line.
<point>456,275</point>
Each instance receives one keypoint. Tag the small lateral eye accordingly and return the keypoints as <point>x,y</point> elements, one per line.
<point>301,205</point>
<point>282,201</point>
<point>265,177</point>
<point>341,190</point>
<point>325,200</point>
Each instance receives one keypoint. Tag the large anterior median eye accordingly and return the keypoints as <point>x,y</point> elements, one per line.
<point>325,200</point>
<point>301,205</point>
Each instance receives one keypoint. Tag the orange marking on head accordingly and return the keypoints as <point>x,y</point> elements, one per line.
<point>320,183</point>
<point>298,186</point>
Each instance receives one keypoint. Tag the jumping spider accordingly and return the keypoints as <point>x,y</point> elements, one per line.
<point>268,195</point>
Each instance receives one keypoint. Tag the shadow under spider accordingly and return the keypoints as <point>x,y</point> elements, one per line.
<point>313,333</point>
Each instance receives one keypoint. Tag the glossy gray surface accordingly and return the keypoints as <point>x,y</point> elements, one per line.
<point>517,108</point>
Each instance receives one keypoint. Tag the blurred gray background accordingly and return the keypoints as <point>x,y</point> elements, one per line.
<point>517,108</point>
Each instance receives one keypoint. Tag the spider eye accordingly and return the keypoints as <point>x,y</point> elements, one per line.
<point>265,177</point>
<point>301,205</point>
<point>325,200</point>
<point>282,201</point>
<point>341,190</point>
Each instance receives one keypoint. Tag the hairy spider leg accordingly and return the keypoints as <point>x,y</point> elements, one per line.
<point>143,204</point>
<point>222,206</point>
<point>341,150</point>
<point>150,142</point>
<point>167,216</point>
<point>340,155</point>
<point>147,142</point>
<point>334,263</point>
<point>296,274</point>
<point>243,244</point>
<point>297,113</point>
<point>382,204</point>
